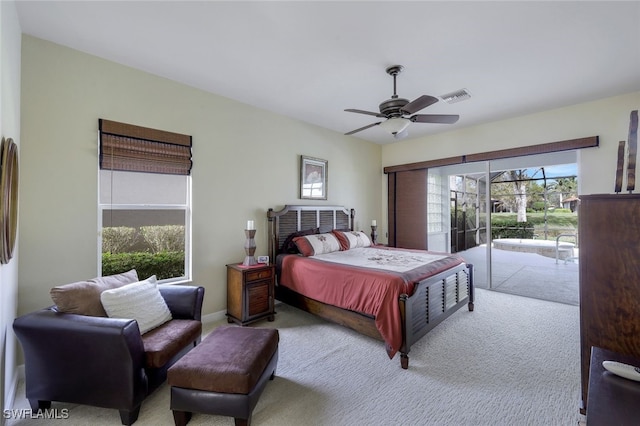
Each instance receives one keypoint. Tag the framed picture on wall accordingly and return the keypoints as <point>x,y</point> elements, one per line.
<point>8,198</point>
<point>313,178</point>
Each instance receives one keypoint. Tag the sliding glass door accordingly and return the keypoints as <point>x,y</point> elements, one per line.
<point>521,203</point>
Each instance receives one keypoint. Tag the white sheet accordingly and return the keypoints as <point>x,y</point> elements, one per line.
<point>386,259</point>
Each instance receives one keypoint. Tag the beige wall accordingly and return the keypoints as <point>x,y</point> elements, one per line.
<point>245,161</point>
<point>9,128</point>
<point>606,118</point>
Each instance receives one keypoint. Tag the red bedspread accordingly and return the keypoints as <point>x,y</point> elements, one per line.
<point>366,290</point>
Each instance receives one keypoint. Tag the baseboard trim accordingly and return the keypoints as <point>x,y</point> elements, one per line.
<point>214,317</point>
<point>220,315</point>
<point>10,397</point>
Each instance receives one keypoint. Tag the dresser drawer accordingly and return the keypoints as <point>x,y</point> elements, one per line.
<point>259,275</point>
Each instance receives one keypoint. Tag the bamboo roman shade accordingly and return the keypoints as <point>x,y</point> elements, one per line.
<point>126,147</point>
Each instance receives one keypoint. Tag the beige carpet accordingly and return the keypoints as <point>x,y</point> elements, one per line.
<point>513,361</point>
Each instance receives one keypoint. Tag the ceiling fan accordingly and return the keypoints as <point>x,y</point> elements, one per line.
<point>396,110</point>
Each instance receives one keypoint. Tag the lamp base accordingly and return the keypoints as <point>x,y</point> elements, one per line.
<point>249,261</point>
<point>249,248</point>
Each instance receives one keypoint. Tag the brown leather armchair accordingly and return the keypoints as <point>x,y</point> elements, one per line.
<point>105,362</point>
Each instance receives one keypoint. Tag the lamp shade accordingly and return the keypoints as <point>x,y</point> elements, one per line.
<point>395,125</point>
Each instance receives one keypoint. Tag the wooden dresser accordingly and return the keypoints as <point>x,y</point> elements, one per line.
<point>609,232</point>
<point>612,400</point>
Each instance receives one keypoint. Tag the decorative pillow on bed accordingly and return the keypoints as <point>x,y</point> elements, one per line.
<point>352,239</point>
<point>290,247</point>
<point>141,301</point>
<point>312,245</point>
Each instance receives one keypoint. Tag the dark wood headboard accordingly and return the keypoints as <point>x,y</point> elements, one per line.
<point>294,218</point>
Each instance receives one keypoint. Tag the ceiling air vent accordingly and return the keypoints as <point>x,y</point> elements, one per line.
<point>457,96</point>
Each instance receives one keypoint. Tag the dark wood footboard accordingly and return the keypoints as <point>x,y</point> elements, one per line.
<point>434,300</point>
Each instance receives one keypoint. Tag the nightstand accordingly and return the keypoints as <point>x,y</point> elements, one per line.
<point>250,293</point>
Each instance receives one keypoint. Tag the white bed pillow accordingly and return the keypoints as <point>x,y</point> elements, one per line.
<point>141,301</point>
<point>352,239</point>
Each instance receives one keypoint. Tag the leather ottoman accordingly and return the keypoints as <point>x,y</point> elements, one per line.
<point>225,374</point>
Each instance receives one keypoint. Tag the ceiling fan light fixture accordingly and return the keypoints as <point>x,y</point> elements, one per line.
<point>395,125</point>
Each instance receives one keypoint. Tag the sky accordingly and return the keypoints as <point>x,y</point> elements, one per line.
<point>560,170</point>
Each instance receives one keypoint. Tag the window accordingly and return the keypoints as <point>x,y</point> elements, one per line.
<point>144,202</point>
<point>436,215</point>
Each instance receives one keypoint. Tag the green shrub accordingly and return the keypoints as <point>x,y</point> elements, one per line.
<point>118,239</point>
<point>538,206</point>
<point>512,229</point>
<point>562,219</point>
<point>556,223</point>
<point>163,265</point>
<point>163,238</point>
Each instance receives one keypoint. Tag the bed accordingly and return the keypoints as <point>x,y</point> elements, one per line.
<point>393,295</point>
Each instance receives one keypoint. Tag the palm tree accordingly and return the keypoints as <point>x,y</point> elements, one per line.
<point>564,188</point>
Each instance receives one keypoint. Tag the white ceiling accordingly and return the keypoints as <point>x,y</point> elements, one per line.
<point>311,60</point>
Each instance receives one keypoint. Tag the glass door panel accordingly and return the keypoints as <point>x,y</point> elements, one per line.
<point>481,206</point>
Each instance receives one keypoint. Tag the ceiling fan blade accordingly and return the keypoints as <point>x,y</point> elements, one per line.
<point>419,103</point>
<point>360,111</point>
<point>363,128</point>
<point>434,118</point>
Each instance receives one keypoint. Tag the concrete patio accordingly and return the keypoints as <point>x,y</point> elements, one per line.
<point>526,274</point>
